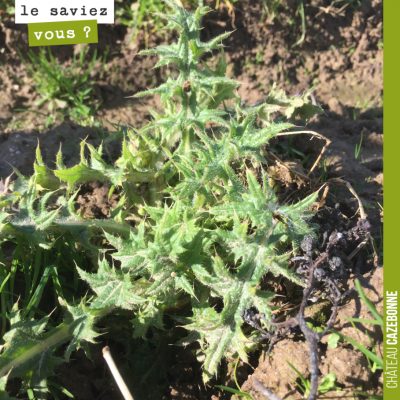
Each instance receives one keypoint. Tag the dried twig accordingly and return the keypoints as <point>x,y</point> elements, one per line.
<point>316,134</point>
<point>117,376</point>
<point>4,187</point>
<point>315,271</point>
<point>353,192</point>
<point>358,248</point>
<point>322,201</point>
<point>332,11</point>
<point>362,214</point>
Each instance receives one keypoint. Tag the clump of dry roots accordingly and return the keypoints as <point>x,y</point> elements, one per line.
<point>326,269</point>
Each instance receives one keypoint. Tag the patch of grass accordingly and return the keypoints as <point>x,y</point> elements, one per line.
<point>327,383</point>
<point>271,10</point>
<point>136,15</point>
<point>143,15</point>
<point>290,151</point>
<point>59,86</point>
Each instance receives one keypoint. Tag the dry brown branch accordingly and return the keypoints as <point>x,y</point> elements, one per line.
<point>322,201</point>
<point>358,248</point>
<point>4,187</point>
<point>362,214</point>
<point>117,376</point>
<point>332,11</point>
<point>353,192</point>
<point>316,134</point>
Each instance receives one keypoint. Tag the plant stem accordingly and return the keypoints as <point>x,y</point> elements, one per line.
<point>27,271</point>
<point>61,334</point>
<point>62,225</point>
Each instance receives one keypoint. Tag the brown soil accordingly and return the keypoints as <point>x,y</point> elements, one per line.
<point>342,55</point>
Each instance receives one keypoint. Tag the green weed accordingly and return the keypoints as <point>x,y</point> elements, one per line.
<point>358,147</point>
<point>60,86</point>
<point>324,169</point>
<point>239,390</point>
<point>193,233</point>
<point>300,11</point>
<point>290,151</point>
<point>259,55</point>
<point>327,383</point>
<point>144,15</point>
<point>271,9</point>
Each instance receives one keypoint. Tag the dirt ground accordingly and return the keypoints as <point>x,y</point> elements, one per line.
<point>342,55</point>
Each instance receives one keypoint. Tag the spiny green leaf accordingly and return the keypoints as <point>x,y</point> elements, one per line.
<point>222,331</point>
<point>295,220</point>
<point>80,321</point>
<point>151,316</point>
<point>113,288</point>
<point>127,251</point>
<point>25,356</point>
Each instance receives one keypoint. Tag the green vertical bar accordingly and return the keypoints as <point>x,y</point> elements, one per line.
<point>391,277</point>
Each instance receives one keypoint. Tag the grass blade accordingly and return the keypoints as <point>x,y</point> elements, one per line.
<point>228,389</point>
<point>61,389</point>
<point>373,357</point>
<point>368,303</point>
<point>363,321</point>
<point>298,373</point>
<point>39,290</point>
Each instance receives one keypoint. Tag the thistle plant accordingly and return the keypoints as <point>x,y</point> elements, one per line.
<point>197,225</point>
